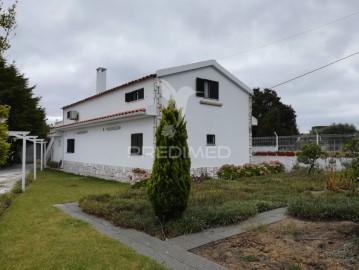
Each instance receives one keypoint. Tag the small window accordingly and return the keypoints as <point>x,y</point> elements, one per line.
<point>211,139</point>
<point>135,95</point>
<point>136,144</point>
<point>207,89</point>
<point>70,145</point>
<point>68,114</point>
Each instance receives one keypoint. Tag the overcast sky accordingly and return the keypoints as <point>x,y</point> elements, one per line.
<point>60,43</point>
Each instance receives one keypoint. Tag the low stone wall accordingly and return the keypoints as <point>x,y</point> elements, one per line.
<point>119,173</point>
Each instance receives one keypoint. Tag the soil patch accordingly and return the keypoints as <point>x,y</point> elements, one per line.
<point>289,244</point>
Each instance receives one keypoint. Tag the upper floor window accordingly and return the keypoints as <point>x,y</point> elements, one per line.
<point>135,95</point>
<point>207,88</point>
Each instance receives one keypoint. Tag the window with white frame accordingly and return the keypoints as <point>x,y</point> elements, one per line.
<point>207,88</point>
<point>135,95</point>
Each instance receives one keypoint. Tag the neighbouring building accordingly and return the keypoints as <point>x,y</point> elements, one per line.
<point>110,133</point>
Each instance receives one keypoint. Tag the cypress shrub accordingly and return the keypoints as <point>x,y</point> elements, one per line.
<point>170,183</point>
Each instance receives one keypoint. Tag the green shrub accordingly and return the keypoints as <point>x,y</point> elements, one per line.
<point>53,164</point>
<point>326,206</point>
<point>232,172</point>
<point>352,147</point>
<point>170,183</point>
<point>309,155</point>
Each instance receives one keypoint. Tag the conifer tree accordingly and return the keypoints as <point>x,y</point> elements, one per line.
<point>170,183</point>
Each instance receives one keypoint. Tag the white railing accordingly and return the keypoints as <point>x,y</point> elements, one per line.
<point>328,142</point>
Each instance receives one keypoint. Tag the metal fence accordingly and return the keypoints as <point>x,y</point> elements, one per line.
<point>328,142</point>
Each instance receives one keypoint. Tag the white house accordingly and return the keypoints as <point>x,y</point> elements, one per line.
<point>110,133</point>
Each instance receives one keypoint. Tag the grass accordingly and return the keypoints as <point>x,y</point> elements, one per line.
<point>36,235</point>
<point>212,203</point>
<point>7,198</point>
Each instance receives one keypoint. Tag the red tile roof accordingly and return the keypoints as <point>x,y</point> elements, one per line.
<point>102,118</point>
<point>112,90</point>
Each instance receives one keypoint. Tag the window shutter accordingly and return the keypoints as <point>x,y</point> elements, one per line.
<point>141,93</point>
<point>200,87</point>
<point>140,142</point>
<point>128,97</point>
<point>214,90</point>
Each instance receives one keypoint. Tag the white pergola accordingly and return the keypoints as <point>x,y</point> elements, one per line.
<point>24,136</point>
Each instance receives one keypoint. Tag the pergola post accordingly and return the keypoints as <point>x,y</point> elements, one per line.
<point>45,157</point>
<point>41,153</point>
<point>21,135</point>
<point>23,163</point>
<point>33,139</point>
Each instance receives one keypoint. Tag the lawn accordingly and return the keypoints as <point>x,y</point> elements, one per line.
<point>212,203</point>
<point>36,235</point>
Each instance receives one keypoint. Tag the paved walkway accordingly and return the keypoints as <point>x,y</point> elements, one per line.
<point>174,253</point>
<point>9,176</point>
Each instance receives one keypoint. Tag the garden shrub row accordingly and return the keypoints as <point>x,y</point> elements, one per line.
<point>326,206</point>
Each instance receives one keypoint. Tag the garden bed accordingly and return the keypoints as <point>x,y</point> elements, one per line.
<point>289,244</point>
<point>212,203</point>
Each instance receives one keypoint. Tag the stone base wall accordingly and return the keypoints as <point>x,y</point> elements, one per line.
<point>119,173</point>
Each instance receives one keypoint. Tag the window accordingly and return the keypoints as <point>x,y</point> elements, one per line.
<point>135,95</point>
<point>70,145</point>
<point>207,88</point>
<point>136,144</point>
<point>211,139</point>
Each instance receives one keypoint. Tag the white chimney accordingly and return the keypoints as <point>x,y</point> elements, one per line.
<point>101,80</point>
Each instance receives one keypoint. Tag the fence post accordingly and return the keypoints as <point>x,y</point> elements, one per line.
<point>276,141</point>
<point>317,137</point>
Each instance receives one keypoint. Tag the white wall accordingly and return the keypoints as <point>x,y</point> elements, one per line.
<point>113,102</point>
<point>99,146</point>
<point>229,123</point>
<point>57,150</point>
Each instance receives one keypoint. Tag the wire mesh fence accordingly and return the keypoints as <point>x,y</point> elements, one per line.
<point>328,142</point>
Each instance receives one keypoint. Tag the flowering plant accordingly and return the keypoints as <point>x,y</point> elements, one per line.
<point>139,178</point>
<point>232,172</point>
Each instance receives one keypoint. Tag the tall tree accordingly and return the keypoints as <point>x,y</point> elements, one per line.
<point>338,128</point>
<point>272,114</point>
<point>25,114</point>
<point>8,24</point>
<point>170,182</point>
